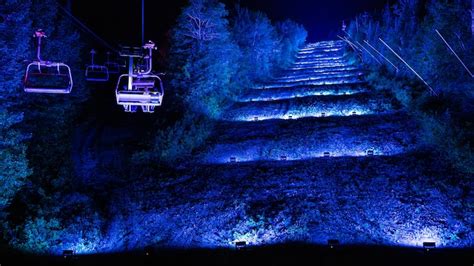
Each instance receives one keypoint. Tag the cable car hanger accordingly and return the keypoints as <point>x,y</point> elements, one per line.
<point>43,76</point>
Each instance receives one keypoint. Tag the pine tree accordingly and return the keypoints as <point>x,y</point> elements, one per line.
<point>14,37</point>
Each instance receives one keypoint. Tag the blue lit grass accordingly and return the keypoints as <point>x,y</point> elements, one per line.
<point>311,137</point>
<point>301,91</point>
<point>368,201</point>
<point>311,106</point>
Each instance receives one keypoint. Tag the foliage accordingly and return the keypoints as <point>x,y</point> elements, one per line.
<point>257,39</point>
<point>204,56</point>
<point>292,36</point>
<point>451,140</point>
<point>35,144</point>
<point>215,55</point>
<point>265,47</point>
<point>409,28</point>
<point>13,163</point>
<point>53,113</point>
<point>13,45</point>
<point>71,223</point>
<point>177,141</point>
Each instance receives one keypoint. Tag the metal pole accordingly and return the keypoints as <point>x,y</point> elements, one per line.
<point>355,48</point>
<point>416,73</point>
<point>379,53</point>
<point>143,22</point>
<point>375,58</point>
<point>92,57</point>
<point>455,54</point>
<point>38,51</point>
<point>130,72</point>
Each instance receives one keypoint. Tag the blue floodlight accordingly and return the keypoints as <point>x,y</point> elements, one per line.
<point>333,243</point>
<point>429,245</point>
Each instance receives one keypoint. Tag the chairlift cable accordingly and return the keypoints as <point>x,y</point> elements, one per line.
<point>88,30</point>
<point>143,21</point>
<point>455,54</point>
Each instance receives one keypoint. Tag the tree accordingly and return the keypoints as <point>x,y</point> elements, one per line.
<point>409,27</point>
<point>257,39</point>
<point>204,56</point>
<point>214,57</point>
<point>14,37</point>
<point>292,36</point>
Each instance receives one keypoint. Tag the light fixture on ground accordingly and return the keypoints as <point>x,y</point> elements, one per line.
<point>240,245</point>
<point>68,254</point>
<point>148,251</point>
<point>429,246</point>
<point>333,243</point>
<point>233,160</point>
<point>327,154</point>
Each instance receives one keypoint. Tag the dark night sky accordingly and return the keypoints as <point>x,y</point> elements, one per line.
<point>119,21</point>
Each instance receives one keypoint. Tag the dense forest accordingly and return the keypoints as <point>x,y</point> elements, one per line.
<point>55,199</point>
<point>444,104</point>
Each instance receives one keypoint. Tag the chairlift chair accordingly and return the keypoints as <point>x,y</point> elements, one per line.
<point>146,91</point>
<point>113,67</point>
<point>96,73</point>
<point>47,77</point>
<point>139,88</point>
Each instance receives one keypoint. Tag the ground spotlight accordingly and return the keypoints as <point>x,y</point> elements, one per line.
<point>240,245</point>
<point>68,254</point>
<point>429,246</point>
<point>148,251</point>
<point>333,243</point>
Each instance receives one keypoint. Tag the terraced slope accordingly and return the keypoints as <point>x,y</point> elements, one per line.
<point>313,155</point>
<point>320,107</point>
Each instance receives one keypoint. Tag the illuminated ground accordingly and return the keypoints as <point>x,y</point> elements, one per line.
<point>278,170</point>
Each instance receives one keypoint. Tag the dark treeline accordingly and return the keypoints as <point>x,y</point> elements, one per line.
<point>409,28</point>
<point>35,130</point>
<point>217,51</point>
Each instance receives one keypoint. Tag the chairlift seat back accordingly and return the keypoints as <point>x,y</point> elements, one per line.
<point>48,77</point>
<point>127,51</point>
<point>145,84</point>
